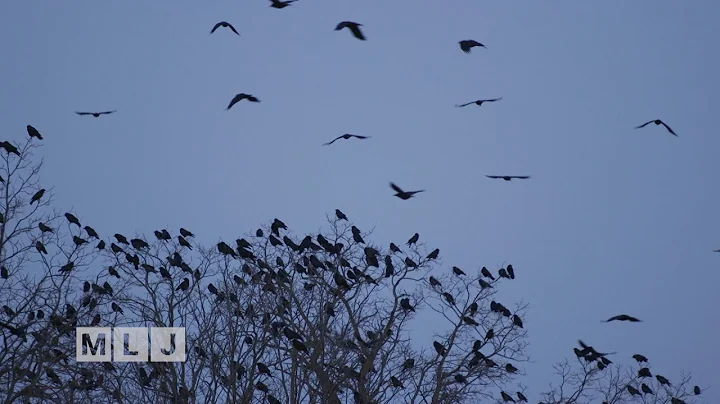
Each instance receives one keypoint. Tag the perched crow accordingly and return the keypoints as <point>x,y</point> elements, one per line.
<point>478,102</point>
<point>403,194</point>
<point>468,44</point>
<point>96,114</point>
<point>353,27</point>
<point>240,97</point>
<point>226,25</point>
<point>39,194</point>
<point>509,177</point>
<point>346,137</point>
<point>657,122</point>
<point>34,132</point>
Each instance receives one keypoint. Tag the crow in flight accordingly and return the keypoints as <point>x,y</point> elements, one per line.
<point>96,114</point>
<point>468,44</point>
<point>281,4</point>
<point>657,122</point>
<point>509,177</point>
<point>478,102</point>
<point>403,194</point>
<point>623,317</point>
<point>346,137</point>
<point>226,25</point>
<point>240,97</point>
<point>353,27</point>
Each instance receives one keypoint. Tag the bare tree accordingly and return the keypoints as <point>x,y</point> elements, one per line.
<point>40,302</point>
<point>321,318</point>
<point>593,378</point>
<point>271,317</point>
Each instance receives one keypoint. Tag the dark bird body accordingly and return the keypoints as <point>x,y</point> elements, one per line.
<point>467,44</point>
<point>346,137</point>
<point>240,97</point>
<point>404,195</point>
<point>34,132</point>
<point>623,317</point>
<point>509,177</point>
<point>224,24</point>
<point>353,27</point>
<point>280,4</point>
<point>39,194</point>
<point>658,122</point>
<point>478,102</point>
<point>96,114</point>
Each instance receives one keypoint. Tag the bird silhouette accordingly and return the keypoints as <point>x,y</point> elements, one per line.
<point>346,137</point>
<point>224,24</point>
<point>468,44</point>
<point>478,102</point>
<point>280,4</point>
<point>39,194</point>
<point>657,122</point>
<point>239,97</point>
<point>509,177</point>
<point>353,27</point>
<point>34,132</point>
<point>623,317</point>
<point>404,195</point>
<point>96,114</point>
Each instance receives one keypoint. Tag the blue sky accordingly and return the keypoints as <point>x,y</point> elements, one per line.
<point>613,220</point>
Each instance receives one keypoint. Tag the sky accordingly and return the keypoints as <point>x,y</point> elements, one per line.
<point>614,220</point>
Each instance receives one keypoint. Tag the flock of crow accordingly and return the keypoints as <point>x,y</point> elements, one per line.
<point>585,351</point>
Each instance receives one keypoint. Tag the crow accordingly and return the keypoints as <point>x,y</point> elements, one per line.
<point>279,4</point>
<point>39,194</point>
<point>509,177</point>
<point>468,44</point>
<point>346,137</point>
<point>96,114</point>
<point>623,317</point>
<point>240,97</point>
<point>353,27</point>
<point>404,195</point>
<point>657,122</point>
<point>226,25</point>
<point>478,102</point>
<point>34,132</point>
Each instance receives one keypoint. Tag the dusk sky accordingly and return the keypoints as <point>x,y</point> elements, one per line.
<point>614,220</point>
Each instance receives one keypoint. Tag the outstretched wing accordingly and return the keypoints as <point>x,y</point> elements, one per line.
<point>237,98</point>
<point>83,113</point>
<point>332,141</point>
<point>493,100</point>
<point>356,32</point>
<point>520,177</point>
<point>218,25</point>
<point>494,176</point>
<point>718,250</point>
<point>233,29</point>
<point>668,128</point>
<point>107,112</point>
<point>464,105</point>
<point>360,136</point>
<point>396,188</point>
<point>645,124</point>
